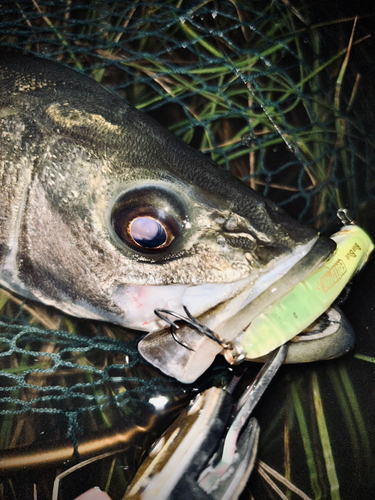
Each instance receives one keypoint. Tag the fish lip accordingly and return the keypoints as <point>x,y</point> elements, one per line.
<point>173,359</point>
<point>321,249</point>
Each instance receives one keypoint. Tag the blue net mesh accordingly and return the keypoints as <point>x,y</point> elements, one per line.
<point>66,384</point>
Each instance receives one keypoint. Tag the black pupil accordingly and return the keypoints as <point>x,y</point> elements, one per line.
<point>147,232</point>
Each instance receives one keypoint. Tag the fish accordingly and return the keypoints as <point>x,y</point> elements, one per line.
<point>104,214</point>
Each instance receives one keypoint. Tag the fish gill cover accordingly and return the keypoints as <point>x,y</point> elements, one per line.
<point>269,91</point>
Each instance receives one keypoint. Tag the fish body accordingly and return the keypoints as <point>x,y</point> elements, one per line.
<point>104,214</point>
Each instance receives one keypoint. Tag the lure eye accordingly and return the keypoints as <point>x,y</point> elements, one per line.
<point>146,229</point>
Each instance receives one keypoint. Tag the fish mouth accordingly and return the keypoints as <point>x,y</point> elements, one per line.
<point>230,317</point>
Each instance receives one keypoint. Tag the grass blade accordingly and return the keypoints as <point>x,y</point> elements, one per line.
<point>325,441</point>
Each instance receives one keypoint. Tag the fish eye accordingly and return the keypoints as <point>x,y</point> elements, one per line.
<point>146,229</point>
<point>147,232</point>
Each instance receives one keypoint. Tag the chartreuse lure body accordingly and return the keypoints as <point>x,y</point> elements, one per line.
<point>299,308</point>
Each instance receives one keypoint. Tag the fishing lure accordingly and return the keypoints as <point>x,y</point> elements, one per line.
<point>299,308</point>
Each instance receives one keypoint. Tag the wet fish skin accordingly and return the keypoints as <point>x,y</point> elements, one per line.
<point>69,149</point>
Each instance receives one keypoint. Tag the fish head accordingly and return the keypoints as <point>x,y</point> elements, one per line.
<point>107,215</point>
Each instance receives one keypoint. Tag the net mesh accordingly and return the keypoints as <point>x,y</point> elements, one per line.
<point>269,91</point>
<point>61,381</point>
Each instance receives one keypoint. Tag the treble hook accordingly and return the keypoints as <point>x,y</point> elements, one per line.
<point>233,355</point>
<point>189,320</point>
<point>174,326</point>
